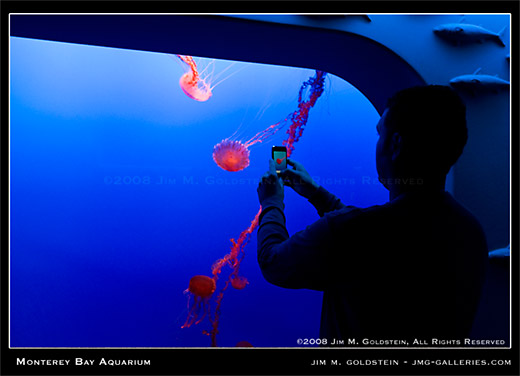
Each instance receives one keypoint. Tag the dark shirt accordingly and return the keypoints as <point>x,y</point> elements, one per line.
<point>412,268</point>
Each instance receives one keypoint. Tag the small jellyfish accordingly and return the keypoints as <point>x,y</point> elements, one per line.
<point>192,84</point>
<point>201,287</point>
<point>238,282</point>
<point>195,87</point>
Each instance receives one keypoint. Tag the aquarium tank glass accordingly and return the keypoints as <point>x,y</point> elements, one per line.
<point>116,201</point>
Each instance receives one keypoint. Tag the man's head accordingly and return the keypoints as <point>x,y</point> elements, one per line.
<point>421,134</point>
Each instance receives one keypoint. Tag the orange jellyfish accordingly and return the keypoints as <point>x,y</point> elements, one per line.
<point>233,155</point>
<point>201,287</point>
<point>239,282</point>
<point>199,85</point>
<point>192,84</point>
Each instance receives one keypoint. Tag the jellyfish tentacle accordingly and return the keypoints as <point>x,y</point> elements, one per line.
<point>190,318</point>
<point>204,310</point>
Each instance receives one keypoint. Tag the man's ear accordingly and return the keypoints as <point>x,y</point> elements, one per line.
<point>396,146</point>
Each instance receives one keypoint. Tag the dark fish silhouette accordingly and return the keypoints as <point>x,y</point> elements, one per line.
<point>459,33</point>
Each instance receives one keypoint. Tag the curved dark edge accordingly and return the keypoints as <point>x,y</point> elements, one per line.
<point>371,67</point>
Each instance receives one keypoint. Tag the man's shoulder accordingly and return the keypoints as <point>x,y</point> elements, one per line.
<point>351,214</point>
<point>463,215</point>
<point>407,211</point>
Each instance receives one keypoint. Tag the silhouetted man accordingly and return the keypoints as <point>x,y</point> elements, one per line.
<point>411,268</point>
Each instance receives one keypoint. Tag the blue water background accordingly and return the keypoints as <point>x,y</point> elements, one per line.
<point>100,252</point>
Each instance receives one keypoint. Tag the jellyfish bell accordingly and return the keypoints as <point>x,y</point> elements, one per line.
<point>239,282</point>
<point>195,87</point>
<point>231,155</point>
<point>201,286</point>
<point>193,83</point>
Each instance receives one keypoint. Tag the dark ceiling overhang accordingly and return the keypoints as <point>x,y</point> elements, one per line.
<point>372,68</point>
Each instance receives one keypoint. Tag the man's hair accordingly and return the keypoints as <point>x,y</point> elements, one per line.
<point>432,123</point>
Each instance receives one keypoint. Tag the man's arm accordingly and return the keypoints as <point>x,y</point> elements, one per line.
<point>325,202</point>
<point>303,184</point>
<point>299,261</point>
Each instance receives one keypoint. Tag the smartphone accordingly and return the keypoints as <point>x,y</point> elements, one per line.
<point>280,158</point>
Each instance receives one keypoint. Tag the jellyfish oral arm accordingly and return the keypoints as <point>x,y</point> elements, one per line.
<point>300,116</point>
<point>232,260</point>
